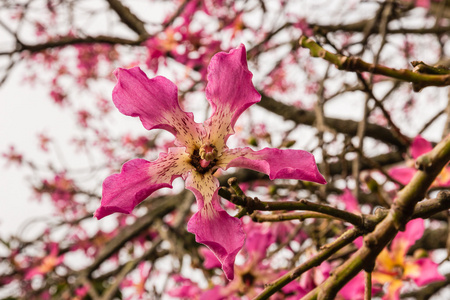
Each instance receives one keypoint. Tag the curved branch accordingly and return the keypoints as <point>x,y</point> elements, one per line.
<point>69,40</point>
<point>354,64</point>
<point>128,18</point>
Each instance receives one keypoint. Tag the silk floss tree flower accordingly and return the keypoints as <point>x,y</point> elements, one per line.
<point>201,150</point>
<point>419,146</point>
<point>394,267</point>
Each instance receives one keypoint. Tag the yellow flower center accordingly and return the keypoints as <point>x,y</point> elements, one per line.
<point>204,159</point>
<point>208,152</point>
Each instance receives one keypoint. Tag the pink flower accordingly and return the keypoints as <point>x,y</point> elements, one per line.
<point>201,150</point>
<point>83,117</point>
<point>13,156</point>
<point>423,3</point>
<point>354,289</point>
<point>419,147</point>
<point>393,266</point>
<point>58,95</point>
<point>44,141</point>
<point>351,203</point>
<point>139,283</point>
<point>187,289</point>
<point>46,264</point>
<point>255,272</point>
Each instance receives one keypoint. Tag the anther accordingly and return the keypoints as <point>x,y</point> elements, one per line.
<point>208,152</point>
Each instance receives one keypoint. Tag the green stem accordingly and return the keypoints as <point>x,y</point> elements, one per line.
<point>255,204</point>
<point>354,64</point>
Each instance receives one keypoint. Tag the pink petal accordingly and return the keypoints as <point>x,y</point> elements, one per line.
<point>354,289</point>
<point>402,174</point>
<point>420,146</point>
<point>185,292</point>
<point>216,293</point>
<point>283,164</point>
<point>230,92</point>
<point>359,242</point>
<point>258,241</point>
<point>351,204</point>
<point>404,240</point>
<point>204,186</point>
<point>292,288</point>
<point>428,273</point>
<point>211,260</point>
<point>423,3</point>
<point>155,102</point>
<point>221,233</point>
<point>138,179</point>
<point>33,272</point>
<point>443,179</point>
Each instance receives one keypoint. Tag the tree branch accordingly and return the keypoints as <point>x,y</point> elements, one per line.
<point>430,165</point>
<point>354,64</point>
<point>128,18</point>
<point>343,126</point>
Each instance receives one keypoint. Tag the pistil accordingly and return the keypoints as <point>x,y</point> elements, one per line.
<point>208,152</point>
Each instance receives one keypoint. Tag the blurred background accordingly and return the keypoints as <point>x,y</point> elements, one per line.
<point>61,136</point>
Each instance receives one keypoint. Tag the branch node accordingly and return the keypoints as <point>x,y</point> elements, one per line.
<point>370,241</point>
<point>423,163</point>
<point>322,53</point>
<point>303,201</point>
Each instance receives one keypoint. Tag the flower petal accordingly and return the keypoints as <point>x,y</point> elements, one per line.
<point>284,164</point>
<point>220,232</point>
<point>443,179</point>
<point>230,92</point>
<point>138,179</point>
<point>351,203</point>
<point>210,260</point>
<point>393,292</point>
<point>217,293</point>
<point>385,262</point>
<point>382,277</point>
<point>155,102</point>
<point>259,238</point>
<point>354,289</point>
<point>204,186</point>
<point>404,240</point>
<point>214,227</point>
<point>428,272</point>
<point>420,146</point>
<point>402,174</point>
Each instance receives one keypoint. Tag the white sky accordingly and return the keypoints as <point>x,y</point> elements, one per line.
<point>24,111</point>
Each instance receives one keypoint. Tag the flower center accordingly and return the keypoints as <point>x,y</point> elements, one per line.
<point>398,270</point>
<point>204,159</point>
<point>208,152</point>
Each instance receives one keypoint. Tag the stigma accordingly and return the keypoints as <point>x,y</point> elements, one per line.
<point>208,152</point>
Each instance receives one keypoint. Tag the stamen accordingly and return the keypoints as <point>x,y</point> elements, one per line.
<point>208,152</point>
<point>200,164</point>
